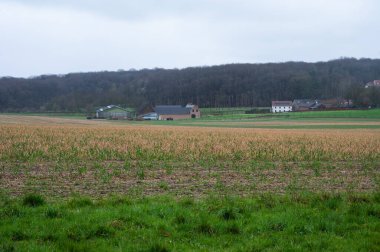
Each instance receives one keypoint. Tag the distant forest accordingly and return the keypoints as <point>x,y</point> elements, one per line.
<point>233,85</point>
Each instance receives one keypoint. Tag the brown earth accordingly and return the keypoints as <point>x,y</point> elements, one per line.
<point>110,178</point>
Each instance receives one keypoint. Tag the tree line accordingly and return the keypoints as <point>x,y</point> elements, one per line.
<point>232,85</point>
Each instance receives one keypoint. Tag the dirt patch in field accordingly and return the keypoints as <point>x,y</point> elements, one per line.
<point>54,180</point>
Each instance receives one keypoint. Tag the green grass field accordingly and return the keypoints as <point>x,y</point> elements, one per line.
<point>238,115</point>
<point>298,222</point>
<point>52,114</point>
<point>344,119</point>
<point>362,114</point>
<point>369,114</point>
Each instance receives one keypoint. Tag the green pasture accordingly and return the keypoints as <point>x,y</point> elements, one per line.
<point>294,222</point>
<point>344,119</point>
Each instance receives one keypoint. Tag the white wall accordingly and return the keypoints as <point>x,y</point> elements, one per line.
<point>279,109</point>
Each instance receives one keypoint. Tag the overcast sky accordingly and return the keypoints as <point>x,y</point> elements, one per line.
<point>62,36</point>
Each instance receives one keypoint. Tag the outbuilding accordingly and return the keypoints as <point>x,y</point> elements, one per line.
<point>304,104</point>
<point>174,112</point>
<point>112,112</point>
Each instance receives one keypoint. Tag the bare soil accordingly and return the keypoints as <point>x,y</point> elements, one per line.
<point>57,180</point>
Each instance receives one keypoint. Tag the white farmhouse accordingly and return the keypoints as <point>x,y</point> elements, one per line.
<point>375,83</point>
<point>282,106</point>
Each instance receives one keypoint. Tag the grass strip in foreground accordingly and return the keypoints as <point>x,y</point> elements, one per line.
<point>294,222</point>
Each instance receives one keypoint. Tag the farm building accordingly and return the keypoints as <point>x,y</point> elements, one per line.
<point>172,112</point>
<point>308,104</point>
<point>113,112</point>
<point>335,103</point>
<point>282,106</point>
<point>304,104</point>
<point>375,83</point>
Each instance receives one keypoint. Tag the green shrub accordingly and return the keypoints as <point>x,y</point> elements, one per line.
<point>333,202</point>
<point>233,229</point>
<point>276,226</point>
<point>19,236</point>
<point>7,247</point>
<point>140,173</point>
<point>163,185</point>
<point>52,213</point>
<point>228,214</point>
<point>103,231</point>
<point>33,200</point>
<point>80,202</point>
<point>205,228</point>
<point>375,212</point>
<point>78,233</point>
<point>180,219</point>
<point>127,165</point>
<point>187,202</point>
<point>158,248</point>
<point>11,211</point>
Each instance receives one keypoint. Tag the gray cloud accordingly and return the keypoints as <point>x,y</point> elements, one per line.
<point>64,36</point>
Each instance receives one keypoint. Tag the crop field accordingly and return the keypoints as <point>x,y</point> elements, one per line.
<point>190,185</point>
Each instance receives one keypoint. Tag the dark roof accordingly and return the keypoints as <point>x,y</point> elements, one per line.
<point>306,103</point>
<point>282,103</point>
<point>171,110</point>
<point>317,106</point>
